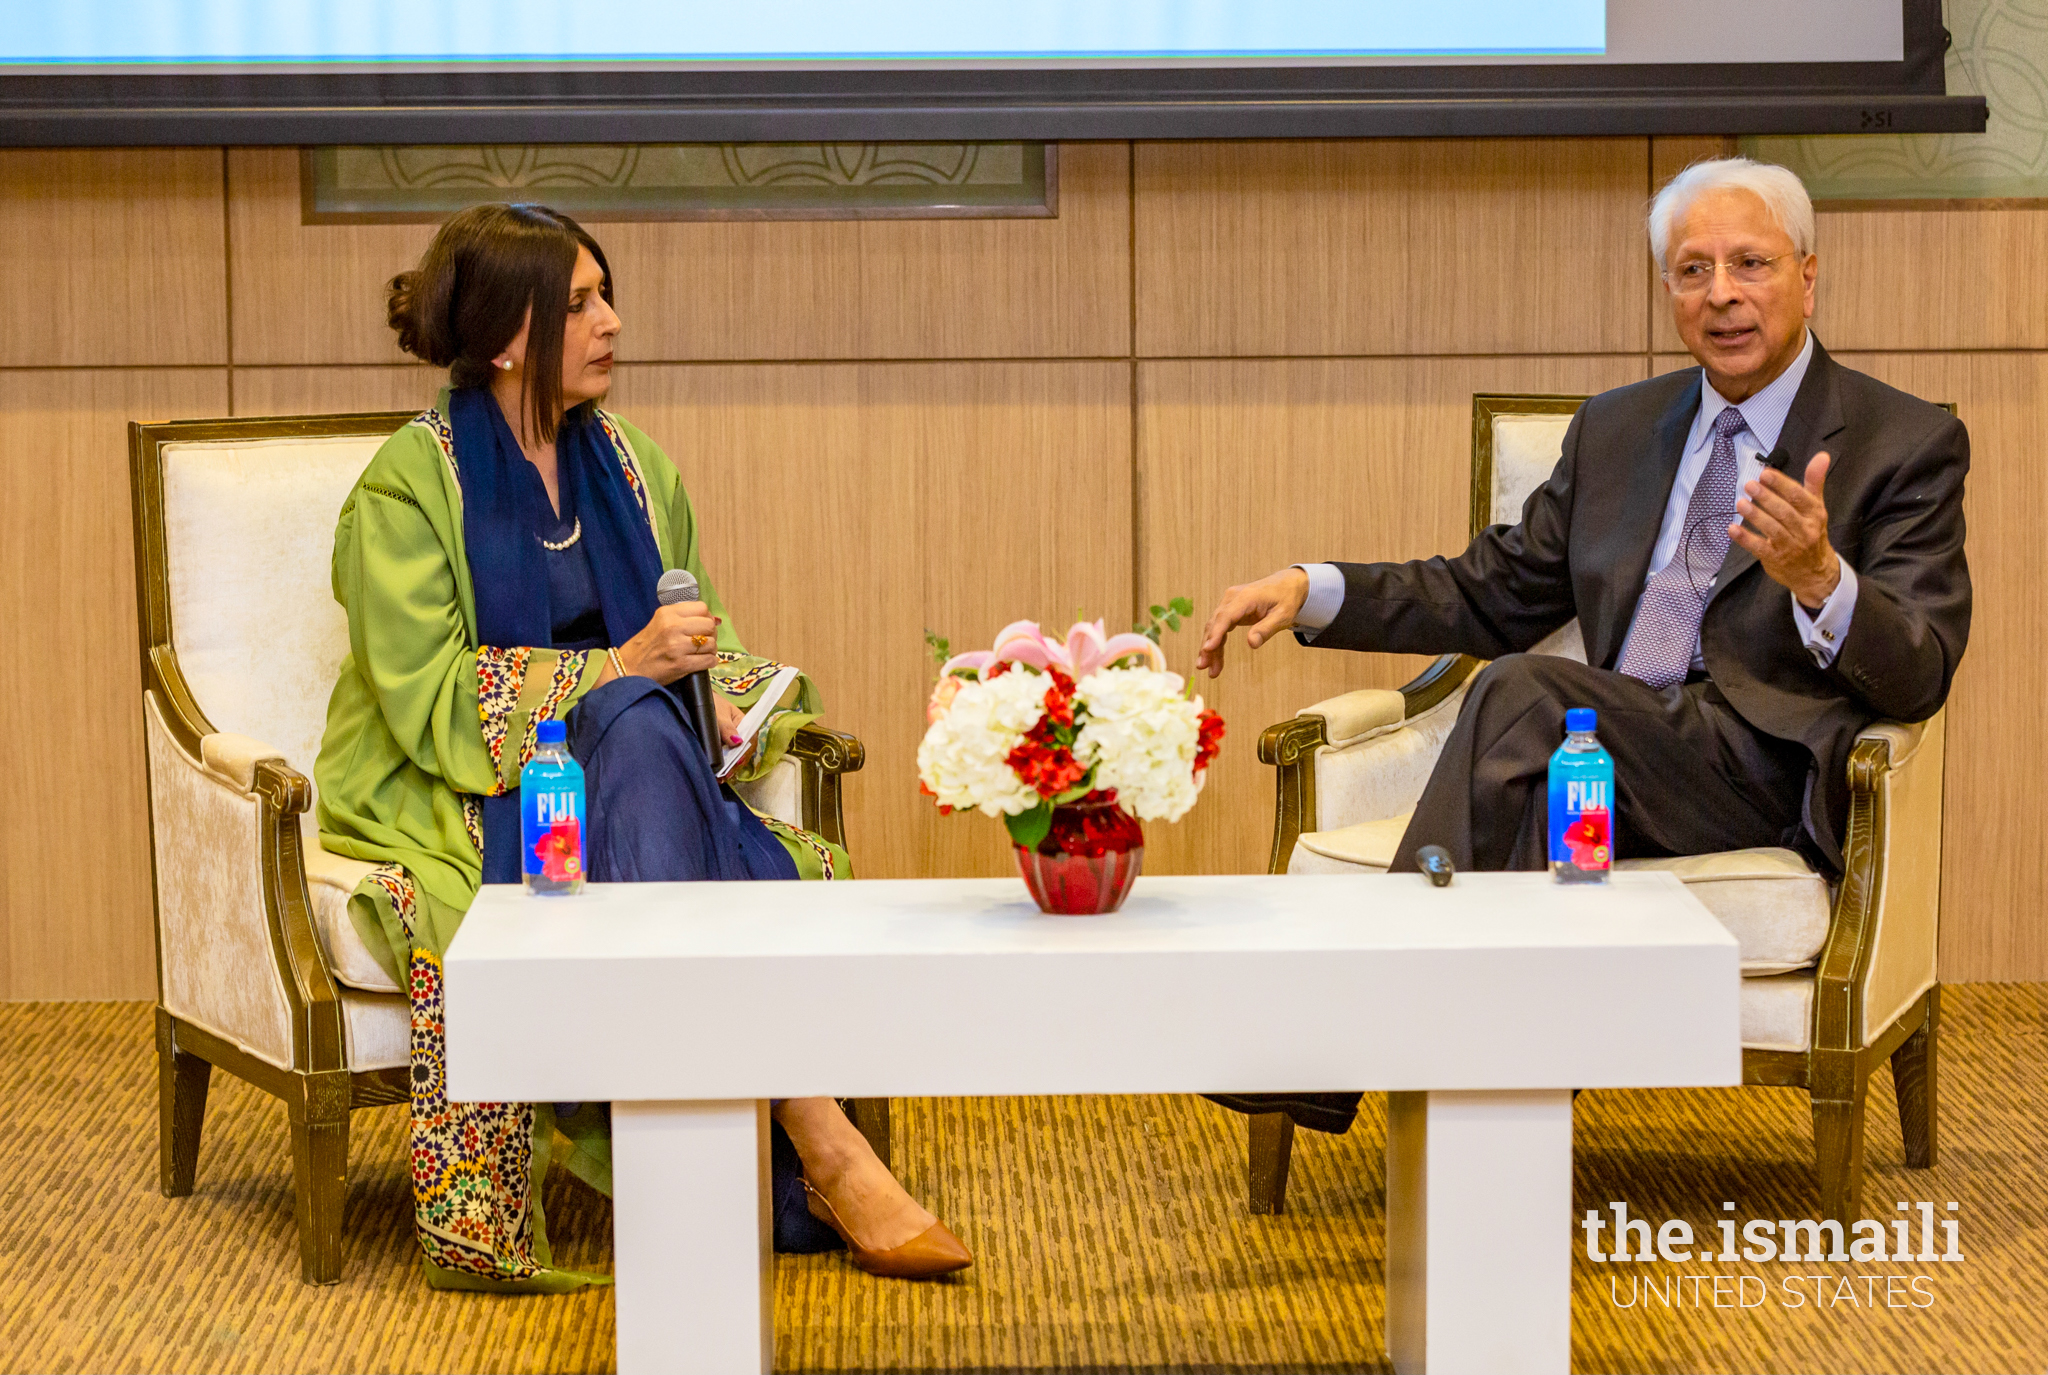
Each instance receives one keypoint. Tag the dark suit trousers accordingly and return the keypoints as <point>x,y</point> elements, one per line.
<point>1690,777</point>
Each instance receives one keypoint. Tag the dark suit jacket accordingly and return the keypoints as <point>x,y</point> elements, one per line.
<point>1895,514</point>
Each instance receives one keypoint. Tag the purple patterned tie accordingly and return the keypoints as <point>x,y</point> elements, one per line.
<point>1667,624</point>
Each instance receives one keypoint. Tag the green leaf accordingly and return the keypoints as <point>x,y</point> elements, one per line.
<point>1158,610</point>
<point>1074,794</point>
<point>1184,606</point>
<point>1173,621</point>
<point>1028,828</point>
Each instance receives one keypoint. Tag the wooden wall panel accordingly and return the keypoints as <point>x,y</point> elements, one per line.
<point>114,257</point>
<point>74,858</point>
<point>1246,467</point>
<point>1933,279</point>
<point>1390,247</point>
<point>847,507</point>
<point>730,290</point>
<point>307,293</point>
<point>1995,821</point>
<point>888,288</point>
<point>335,391</point>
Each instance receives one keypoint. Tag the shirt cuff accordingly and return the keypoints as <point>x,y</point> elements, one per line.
<point>1824,630</point>
<point>1325,599</point>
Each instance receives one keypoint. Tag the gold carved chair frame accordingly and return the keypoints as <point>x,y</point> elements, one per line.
<point>319,1089</point>
<point>1835,1067</point>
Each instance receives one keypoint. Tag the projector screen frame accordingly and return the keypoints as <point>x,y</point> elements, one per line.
<point>595,105</point>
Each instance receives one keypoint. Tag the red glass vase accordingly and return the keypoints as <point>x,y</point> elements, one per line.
<point>1088,860</point>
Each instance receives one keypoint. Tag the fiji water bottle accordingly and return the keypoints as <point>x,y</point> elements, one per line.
<point>551,814</point>
<point>1581,804</point>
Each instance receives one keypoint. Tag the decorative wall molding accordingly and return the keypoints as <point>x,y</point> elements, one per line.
<point>686,181</point>
<point>2000,51</point>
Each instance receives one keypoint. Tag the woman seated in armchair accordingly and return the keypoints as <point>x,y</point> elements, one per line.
<point>498,562</point>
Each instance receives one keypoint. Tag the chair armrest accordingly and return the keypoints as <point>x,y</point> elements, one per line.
<point>823,757</point>
<point>237,954</point>
<point>1882,946</point>
<point>1355,715</point>
<point>1357,746</point>
<point>233,759</point>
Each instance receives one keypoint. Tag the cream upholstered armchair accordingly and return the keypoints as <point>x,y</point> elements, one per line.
<point>259,971</point>
<point>1834,981</point>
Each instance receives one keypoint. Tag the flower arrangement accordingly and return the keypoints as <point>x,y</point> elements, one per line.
<point>1068,740</point>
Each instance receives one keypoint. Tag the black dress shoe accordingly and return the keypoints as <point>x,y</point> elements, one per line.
<point>1319,1112</point>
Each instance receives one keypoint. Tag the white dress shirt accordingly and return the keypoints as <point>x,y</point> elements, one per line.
<point>1763,418</point>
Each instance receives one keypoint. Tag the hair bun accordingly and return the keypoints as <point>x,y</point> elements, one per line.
<point>419,332</point>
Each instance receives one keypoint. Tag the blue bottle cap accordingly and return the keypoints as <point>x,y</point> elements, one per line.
<point>555,733</point>
<point>1575,719</point>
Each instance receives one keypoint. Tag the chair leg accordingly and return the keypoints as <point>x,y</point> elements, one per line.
<point>181,1083</point>
<point>319,1117</point>
<point>1915,1066</point>
<point>1271,1152</point>
<point>871,1118</point>
<point>1838,1153</point>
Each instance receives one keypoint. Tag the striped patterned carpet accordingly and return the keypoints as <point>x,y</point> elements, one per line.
<point>1111,1233</point>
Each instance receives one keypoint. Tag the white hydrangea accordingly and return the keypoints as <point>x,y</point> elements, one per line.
<point>963,757</point>
<point>1140,735</point>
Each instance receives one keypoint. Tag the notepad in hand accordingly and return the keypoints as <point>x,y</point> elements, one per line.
<point>780,692</point>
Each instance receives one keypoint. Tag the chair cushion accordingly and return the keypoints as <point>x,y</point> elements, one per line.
<point>1368,845</point>
<point>379,1029</point>
<point>1771,902</point>
<point>1777,1012</point>
<point>330,880</point>
<point>1774,905</point>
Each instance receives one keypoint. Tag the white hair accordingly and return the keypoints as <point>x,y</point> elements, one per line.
<point>1781,191</point>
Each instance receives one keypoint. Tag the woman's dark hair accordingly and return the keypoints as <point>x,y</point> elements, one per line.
<point>471,292</point>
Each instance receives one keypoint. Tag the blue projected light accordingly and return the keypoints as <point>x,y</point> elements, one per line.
<point>297,33</point>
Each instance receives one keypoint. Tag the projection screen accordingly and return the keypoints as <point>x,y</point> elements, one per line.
<point>314,71</point>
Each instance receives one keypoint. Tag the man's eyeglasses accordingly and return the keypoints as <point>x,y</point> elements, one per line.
<point>1695,275</point>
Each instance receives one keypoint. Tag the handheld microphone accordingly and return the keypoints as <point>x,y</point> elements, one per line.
<point>1435,861</point>
<point>675,586</point>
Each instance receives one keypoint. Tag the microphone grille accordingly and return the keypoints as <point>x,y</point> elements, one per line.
<point>676,585</point>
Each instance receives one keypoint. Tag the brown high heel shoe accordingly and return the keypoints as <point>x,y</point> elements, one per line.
<point>934,1251</point>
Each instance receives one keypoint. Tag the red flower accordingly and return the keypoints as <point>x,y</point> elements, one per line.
<point>1059,699</point>
<point>560,851</point>
<point>1044,758</point>
<point>1209,739</point>
<point>1047,766</point>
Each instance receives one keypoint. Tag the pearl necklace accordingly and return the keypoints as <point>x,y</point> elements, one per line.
<point>574,535</point>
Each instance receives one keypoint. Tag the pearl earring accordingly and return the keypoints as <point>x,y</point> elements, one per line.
<point>505,363</point>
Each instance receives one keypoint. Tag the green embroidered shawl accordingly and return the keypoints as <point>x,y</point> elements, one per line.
<point>424,721</point>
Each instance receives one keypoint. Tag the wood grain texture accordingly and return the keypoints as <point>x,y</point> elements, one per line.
<point>1995,818</point>
<point>1669,157</point>
<point>1390,247</point>
<point>1245,467</point>
<point>1933,279</point>
<point>733,290</point>
<point>114,257</point>
<point>847,507</point>
<point>74,866</point>
<point>1046,288</point>
<point>335,391</point>
<point>307,293</point>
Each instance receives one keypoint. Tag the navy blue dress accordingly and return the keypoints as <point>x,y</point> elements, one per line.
<point>657,812</point>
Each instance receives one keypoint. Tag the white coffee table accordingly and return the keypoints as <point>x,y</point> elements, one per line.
<point>1480,1006</point>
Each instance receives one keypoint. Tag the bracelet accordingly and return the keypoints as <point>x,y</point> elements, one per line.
<point>618,664</point>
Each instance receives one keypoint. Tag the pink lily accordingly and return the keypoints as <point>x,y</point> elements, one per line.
<point>1088,647</point>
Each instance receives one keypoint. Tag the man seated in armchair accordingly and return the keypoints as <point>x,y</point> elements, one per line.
<point>1764,554</point>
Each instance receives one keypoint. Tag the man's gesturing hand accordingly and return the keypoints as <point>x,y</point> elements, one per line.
<point>1787,530</point>
<point>1268,606</point>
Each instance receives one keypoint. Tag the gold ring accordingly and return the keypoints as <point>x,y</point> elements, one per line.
<point>700,640</point>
